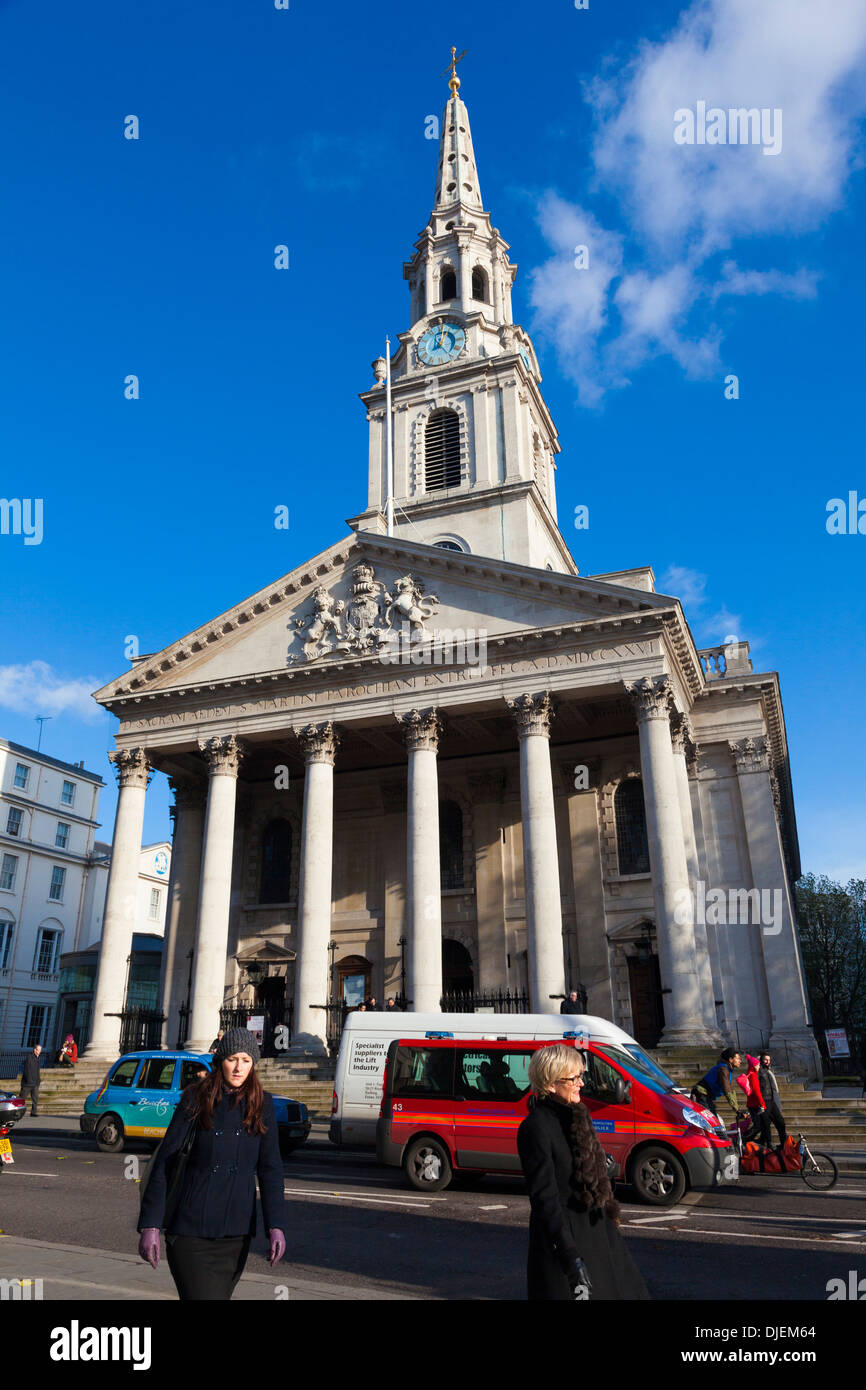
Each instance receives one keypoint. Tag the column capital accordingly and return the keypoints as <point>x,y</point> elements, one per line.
<point>132,765</point>
<point>224,755</point>
<point>189,793</point>
<point>319,742</point>
<point>683,736</point>
<point>750,754</point>
<point>651,697</point>
<point>532,713</point>
<point>421,729</point>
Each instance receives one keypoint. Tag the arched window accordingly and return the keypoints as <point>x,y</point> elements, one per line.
<point>457,974</point>
<point>450,844</point>
<point>479,284</point>
<point>276,862</point>
<point>631,837</point>
<point>442,450</point>
<point>448,284</point>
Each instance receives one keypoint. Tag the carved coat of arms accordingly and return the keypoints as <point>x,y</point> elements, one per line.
<point>367,620</point>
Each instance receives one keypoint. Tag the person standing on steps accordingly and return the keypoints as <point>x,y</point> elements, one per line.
<point>233,1141</point>
<point>31,1076</point>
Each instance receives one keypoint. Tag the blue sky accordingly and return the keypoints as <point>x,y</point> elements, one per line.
<point>307,127</point>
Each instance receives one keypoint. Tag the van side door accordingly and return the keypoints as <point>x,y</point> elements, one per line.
<point>612,1120</point>
<point>491,1095</point>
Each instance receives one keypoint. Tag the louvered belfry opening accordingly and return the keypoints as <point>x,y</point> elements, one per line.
<point>442,451</point>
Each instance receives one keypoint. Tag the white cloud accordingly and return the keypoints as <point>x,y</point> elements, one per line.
<point>690,586</point>
<point>684,206</point>
<point>37,689</point>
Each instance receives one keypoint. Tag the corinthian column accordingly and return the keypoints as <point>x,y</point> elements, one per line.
<point>214,899</point>
<point>683,745</point>
<point>133,774</point>
<point>319,743</point>
<point>674,905</point>
<point>180,919</point>
<point>532,714</point>
<point>421,729</point>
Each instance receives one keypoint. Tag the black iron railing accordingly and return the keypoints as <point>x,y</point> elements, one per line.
<point>140,1029</point>
<point>279,1024</point>
<point>498,1002</point>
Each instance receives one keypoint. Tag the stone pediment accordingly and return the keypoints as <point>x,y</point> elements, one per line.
<point>361,599</point>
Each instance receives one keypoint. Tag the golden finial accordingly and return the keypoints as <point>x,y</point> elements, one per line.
<point>454,81</point>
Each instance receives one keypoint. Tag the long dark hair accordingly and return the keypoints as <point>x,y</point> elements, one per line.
<point>202,1096</point>
<point>589,1180</point>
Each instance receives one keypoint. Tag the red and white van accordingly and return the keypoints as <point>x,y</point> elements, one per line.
<point>454,1106</point>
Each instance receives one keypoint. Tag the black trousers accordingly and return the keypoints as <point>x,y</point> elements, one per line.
<point>206,1269</point>
<point>773,1113</point>
<point>33,1092</point>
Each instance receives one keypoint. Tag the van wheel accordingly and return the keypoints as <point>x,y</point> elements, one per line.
<point>109,1135</point>
<point>658,1176</point>
<point>427,1165</point>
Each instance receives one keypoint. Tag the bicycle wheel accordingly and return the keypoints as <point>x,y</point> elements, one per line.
<point>819,1171</point>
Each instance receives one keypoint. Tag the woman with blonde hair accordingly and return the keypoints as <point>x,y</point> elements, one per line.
<point>575,1248</point>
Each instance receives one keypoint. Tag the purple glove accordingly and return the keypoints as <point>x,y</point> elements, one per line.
<point>278,1246</point>
<point>148,1246</point>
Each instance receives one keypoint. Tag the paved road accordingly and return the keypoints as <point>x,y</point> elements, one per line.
<point>358,1230</point>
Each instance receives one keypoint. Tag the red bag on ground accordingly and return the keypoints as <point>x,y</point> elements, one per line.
<point>751,1160</point>
<point>771,1162</point>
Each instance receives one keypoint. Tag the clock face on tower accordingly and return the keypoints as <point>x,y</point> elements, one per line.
<point>441,343</point>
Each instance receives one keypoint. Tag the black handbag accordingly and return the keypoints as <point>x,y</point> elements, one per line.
<point>175,1170</point>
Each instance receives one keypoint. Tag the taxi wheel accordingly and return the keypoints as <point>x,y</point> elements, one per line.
<point>658,1176</point>
<point>109,1135</point>
<point>427,1165</point>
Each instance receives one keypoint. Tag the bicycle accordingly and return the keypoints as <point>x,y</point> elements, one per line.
<point>818,1170</point>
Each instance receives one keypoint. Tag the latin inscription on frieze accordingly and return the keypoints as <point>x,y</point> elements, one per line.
<point>413,681</point>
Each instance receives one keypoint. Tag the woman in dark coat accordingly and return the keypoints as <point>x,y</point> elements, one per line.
<point>575,1248</point>
<point>207,1238</point>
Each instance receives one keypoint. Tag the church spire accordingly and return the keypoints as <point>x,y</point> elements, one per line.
<point>457,177</point>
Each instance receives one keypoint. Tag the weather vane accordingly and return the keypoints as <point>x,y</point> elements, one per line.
<point>454,82</point>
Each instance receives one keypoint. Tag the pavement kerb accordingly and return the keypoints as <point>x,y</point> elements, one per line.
<point>78,1273</point>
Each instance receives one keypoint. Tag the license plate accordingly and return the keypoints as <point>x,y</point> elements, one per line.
<point>6,1151</point>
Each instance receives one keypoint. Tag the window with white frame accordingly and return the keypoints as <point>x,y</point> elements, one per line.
<point>46,947</point>
<point>7,929</point>
<point>8,871</point>
<point>67,796</point>
<point>13,821</point>
<point>58,878</point>
<point>36,1021</point>
<point>61,838</point>
<point>22,776</point>
<point>155,896</point>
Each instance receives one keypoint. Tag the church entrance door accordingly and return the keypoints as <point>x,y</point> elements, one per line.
<point>647,1012</point>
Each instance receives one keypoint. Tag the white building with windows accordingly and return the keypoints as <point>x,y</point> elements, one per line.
<point>435,758</point>
<point>51,875</point>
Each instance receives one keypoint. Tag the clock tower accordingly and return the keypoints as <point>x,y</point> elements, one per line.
<point>473,441</point>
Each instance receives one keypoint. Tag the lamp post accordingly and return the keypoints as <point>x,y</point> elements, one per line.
<point>403,943</point>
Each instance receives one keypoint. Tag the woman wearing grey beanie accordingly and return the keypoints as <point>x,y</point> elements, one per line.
<point>225,1131</point>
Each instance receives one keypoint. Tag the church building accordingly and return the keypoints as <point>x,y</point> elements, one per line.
<point>436,760</point>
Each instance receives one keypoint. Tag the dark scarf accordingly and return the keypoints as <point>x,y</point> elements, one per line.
<point>589,1181</point>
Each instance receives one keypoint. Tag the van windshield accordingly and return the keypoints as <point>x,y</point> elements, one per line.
<point>635,1061</point>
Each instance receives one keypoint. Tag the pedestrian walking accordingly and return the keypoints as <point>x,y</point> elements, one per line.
<point>718,1082</point>
<point>222,1136</point>
<point>569,1005</point>
<point>751,1088</point>
<point>391,1006</point>
<point>217,1040</point>
<point>576,1251</point>
<point>772,1102</point>
<point>31,1076</point>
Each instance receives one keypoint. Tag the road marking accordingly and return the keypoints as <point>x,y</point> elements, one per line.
<point>652,1220</point>
<point>497,1206</point>
<point>411,1202</point>
<point>18,1174</point>
<point>753,1216</point>
<point>747,1235</point>
<point>848,1235</point>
